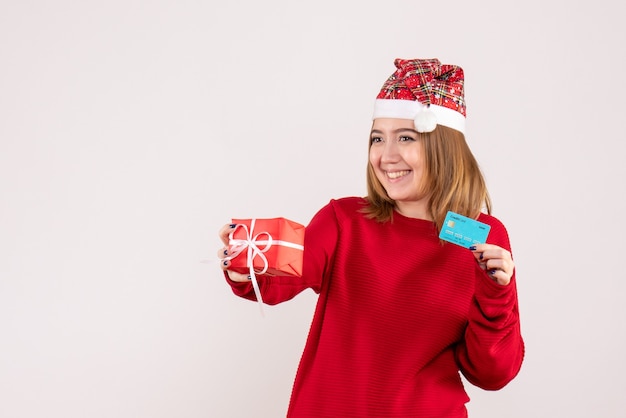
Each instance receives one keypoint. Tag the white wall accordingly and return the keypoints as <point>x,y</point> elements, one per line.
<point>130,131</point>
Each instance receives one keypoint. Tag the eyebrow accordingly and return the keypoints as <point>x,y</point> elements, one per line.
<point>395,131</point>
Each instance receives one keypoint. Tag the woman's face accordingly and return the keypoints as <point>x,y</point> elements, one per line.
<point>397,156</point>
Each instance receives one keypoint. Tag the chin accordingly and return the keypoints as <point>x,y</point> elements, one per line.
<point>397,196</point>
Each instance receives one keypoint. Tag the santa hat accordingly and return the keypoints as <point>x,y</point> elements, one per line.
<point>426,91</point>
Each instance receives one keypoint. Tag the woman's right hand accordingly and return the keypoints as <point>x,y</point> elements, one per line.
<point>223,254</point>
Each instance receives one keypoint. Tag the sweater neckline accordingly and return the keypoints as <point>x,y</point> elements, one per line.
<point>413,222</point>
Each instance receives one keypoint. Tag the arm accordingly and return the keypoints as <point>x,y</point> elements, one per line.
<point>319,242</point>
<point>491,353</point>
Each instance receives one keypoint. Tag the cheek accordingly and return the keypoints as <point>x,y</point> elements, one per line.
<point>374,157</point>
<point>415,159</point>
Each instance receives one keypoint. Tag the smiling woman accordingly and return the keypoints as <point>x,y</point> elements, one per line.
<point>400,312</point>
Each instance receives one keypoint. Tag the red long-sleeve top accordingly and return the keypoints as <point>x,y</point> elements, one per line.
<point>398,316</point>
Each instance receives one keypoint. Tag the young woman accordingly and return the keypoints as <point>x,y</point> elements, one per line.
<point>401,312</point>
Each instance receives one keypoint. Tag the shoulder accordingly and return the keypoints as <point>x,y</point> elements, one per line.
<point>349,203</point>
<point>490,220</point>
<point>498,233</point>
<point>348,207</point>
<point>342,208</point>
<point>332,221</point>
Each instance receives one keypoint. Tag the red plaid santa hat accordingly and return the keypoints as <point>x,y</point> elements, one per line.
<point>426,91</point>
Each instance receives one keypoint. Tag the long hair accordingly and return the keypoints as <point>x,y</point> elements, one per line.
<point>452,180</point>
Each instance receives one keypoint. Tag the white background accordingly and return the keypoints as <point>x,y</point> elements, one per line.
<point>130,131</point>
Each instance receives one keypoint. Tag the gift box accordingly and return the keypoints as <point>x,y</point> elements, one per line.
<point>272,246</point>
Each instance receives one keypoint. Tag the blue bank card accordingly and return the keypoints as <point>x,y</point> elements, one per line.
<point>463,231</point>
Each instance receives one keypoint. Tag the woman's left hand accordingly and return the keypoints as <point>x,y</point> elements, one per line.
<point>496,261</point>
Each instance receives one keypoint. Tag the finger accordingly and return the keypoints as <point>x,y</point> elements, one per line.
<point>222,253</point>
<point>225,231</point>
<point>478,250</point>
<point>505,265</point>
<point>496,252</point>
<point>501,269</point>
<point>225,263</point>
<point>500,276</point>
<point>496,261</point>
<point>238,277</point>
<point>484,252</point>
<point>233,275</point>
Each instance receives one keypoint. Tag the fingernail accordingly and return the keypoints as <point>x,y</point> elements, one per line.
<point>481,256</point>
<point>225,262</point>
<point>232,225</point>
<point>249,277</point>
<point>472,248</point>
<point>225,252</point>
<point>492,271</point>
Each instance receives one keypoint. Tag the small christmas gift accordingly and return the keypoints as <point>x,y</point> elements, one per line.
<point>273,246</point>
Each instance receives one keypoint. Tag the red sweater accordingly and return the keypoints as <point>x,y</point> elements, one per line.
<point>398,316</point>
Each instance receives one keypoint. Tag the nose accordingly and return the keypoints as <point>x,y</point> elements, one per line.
<point>390,152</point>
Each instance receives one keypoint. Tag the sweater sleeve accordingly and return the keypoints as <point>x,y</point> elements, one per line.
<point>491,353</point>
<point>320,239</point>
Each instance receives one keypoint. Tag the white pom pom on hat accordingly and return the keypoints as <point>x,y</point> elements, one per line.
<point>425,91</point>
<point>425,121</point>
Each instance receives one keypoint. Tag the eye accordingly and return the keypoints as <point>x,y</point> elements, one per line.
<point>376,139</point>
<point>406,139</point>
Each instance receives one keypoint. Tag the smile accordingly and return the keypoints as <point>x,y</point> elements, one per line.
<point>397,174</point>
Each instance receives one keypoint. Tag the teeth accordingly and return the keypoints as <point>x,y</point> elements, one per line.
<point>397,174</point>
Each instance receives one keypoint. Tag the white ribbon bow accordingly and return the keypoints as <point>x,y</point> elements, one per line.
<point>255,248</point>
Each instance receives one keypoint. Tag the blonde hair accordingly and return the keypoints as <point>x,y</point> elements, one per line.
<point>452,179</point>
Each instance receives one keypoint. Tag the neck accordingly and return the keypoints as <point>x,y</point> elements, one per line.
<point>418,210</point>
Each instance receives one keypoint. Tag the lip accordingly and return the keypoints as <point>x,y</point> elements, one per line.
<point>397,175</point>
